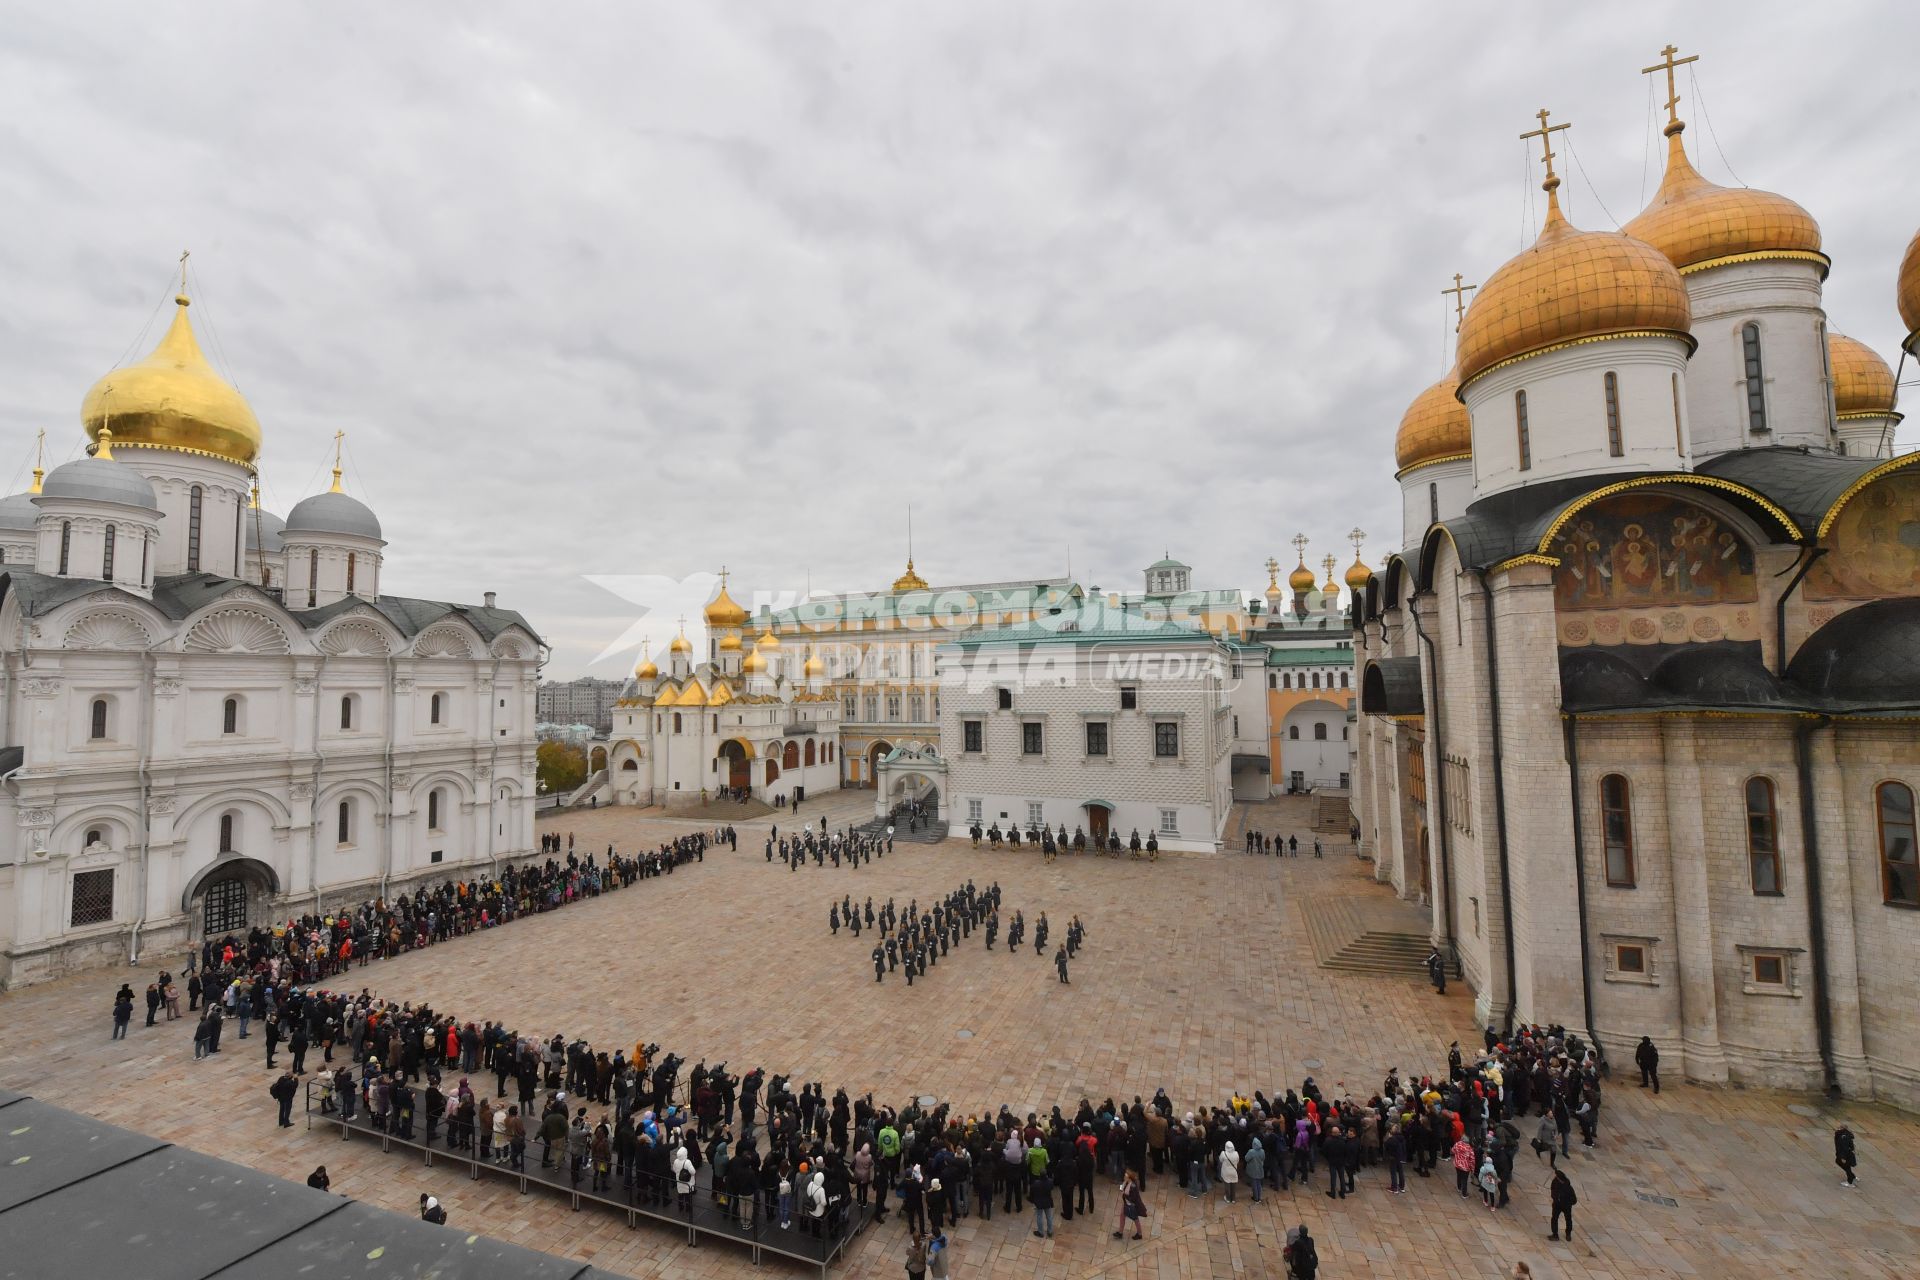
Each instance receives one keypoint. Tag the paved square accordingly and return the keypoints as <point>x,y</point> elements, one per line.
<point>1198,975</point>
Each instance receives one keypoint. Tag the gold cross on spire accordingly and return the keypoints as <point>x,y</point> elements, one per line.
<point>723,577</point>
<point>184,255</point>
<point>1273,571</point>
<point>1667,64</point>
<point>338,436</point>
<point>1459,292</point>
<point>1545,133</point>
<point>1300,544</point>
<point>39,460</point>
<point>1329,562</point>
<point>1356,536</point>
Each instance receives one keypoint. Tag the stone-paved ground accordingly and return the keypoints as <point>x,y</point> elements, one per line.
<point>1197,976</point>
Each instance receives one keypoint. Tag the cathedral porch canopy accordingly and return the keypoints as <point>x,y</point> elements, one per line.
<point>1391,687</point>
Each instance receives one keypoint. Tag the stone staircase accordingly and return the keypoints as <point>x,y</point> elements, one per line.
<point>1367,936</point>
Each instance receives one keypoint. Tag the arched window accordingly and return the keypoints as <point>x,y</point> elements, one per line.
<point>1520,427</point>
<point>95,835</point>
<point>676,722</point>
<point>97,729</point>
<point>790,757</point>
<point>1433,502</point>
<point>1899,873</point>
<point>226,833</point>
<point>344,822</point>
<point>1293,732</point>
<point>1614,445</point>
<point>350,567</point>
<point>313,577</point>
<point>433,708</point>
<point>1840,448</point>
<point>1679,440</point>
<point>1763,838</point>
<point>1320,732</point>
<point>628,766</point>
<point>106,556</point>
<point>66,544</point>
<point>1756,381</point>
<point>1316,679</point>
<point>144,581</point>
<point>230,716</point>
<point>346,711</point>
<point>1345,677</point>
<point>1286,680</point>
<point>433,809</point>
<point>810,751</point>
<point>1616,830</point>
<point>195,497</point>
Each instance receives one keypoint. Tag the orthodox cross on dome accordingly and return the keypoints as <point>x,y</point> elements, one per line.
<point>1273,571</point>
<point>338,436</point>
<point>184,255</point>
<point>39,460</point>
<point>1459,292</point>
<point>1545,133</point>
<point>1668,63</point>
<point>1329,563</point>
<point>1300,545</point>
<point>723,577</point>
<point>1356,536</point>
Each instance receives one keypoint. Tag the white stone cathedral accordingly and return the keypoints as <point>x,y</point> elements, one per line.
<point>213,717</point>
<point>1638,696</point>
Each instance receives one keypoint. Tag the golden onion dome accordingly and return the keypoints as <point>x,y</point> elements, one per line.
<point>1273,591</point>
<point>646,670</point>
<point>729,643</point>
<point>1435,426</point>
<point>909,581</point>
<point>766,640</point>
<point>1358,576</point>
<point>174,400</point>
<point>1568,286</point>
<point>680,644</point>
<point>1301,579</point>
<point>723,612</point>
<point>755,664</point>
<point>1698,224</point>
<point>1907,293</point>
<point>1862,382</point>
<point>814,666</point>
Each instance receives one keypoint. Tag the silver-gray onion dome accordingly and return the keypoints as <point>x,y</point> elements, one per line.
<point>99,480</point>
<point>331,513</point>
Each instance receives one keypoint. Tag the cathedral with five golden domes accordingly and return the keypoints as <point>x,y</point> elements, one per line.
<point>215,718</point>
<point>1639,692</point>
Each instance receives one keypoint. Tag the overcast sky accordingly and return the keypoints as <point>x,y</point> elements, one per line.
<point>642,289</point>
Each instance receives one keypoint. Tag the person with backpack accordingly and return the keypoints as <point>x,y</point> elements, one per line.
<point>432,1211</point>
<point>1301,1255</point>
<point>1843,1155</point>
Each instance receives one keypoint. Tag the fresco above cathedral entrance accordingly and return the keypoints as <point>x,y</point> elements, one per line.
<point>1651,568</point>
<point>1873,549</point>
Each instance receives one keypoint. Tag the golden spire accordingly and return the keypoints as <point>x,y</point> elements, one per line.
<point>39,460</point>
<point>1459,292</point>
<point>1301,579</point>
<point>338,436</point>
<point>1551,185</point>
<point>1667,64</point>
<point>103,447</point>
<point>254,504</point>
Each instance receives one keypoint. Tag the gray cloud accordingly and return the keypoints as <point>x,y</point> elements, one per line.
<point>619,289</point>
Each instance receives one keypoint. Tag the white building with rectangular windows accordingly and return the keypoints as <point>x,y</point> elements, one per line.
<point>1094,720</point>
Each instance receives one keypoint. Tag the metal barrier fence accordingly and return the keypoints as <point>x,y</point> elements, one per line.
<point>741,1220</point>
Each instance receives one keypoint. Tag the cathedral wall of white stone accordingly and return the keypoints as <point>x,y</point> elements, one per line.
<point>224,494</point>
<point>1445,486</point>
<point>1567,413</point>
<point>1784,299</point>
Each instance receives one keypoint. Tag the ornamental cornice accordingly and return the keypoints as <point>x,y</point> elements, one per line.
<point>40,687</point>
<point>160,805</point>
<point>167,686</point>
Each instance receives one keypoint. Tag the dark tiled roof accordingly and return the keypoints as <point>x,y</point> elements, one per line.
<point>181,596</point>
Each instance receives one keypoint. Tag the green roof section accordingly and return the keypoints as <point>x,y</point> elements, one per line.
<point>1304,657</point>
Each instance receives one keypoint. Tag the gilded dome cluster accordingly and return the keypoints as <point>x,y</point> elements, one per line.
<point>1435,426</point>
<point>1571,285</point>
<point>173,400</point>
<point>1907,293</point>
<point>1698,224</point>
<point>1862,382</point>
